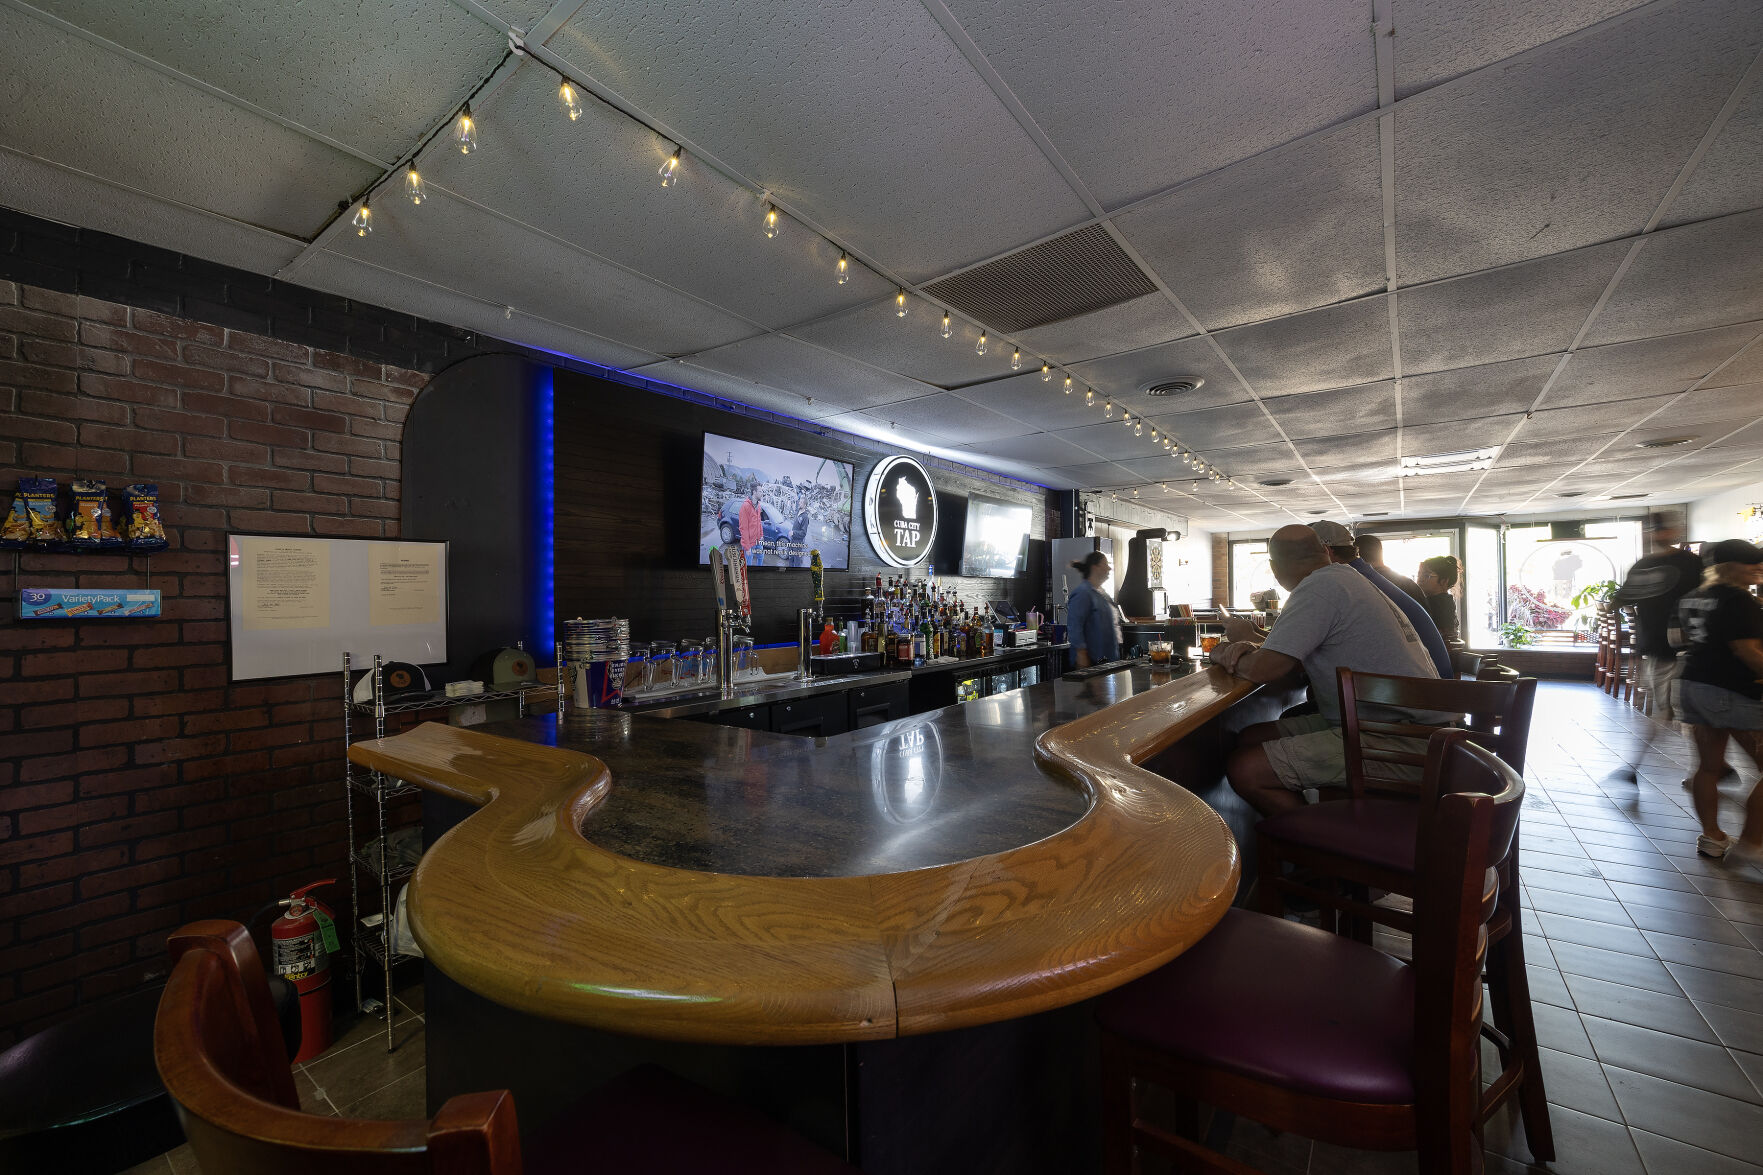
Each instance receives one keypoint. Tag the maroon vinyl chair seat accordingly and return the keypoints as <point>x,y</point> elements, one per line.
<point>1376,830</point>
<point>1348,1034</point>
<point>1318,1034</point>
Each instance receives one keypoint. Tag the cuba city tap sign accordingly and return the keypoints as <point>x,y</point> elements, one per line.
<point>900,511</point>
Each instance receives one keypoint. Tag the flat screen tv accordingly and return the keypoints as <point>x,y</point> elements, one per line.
<point>996,545</point>
<point>776,505</point>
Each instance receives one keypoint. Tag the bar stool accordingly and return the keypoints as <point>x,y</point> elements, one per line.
<point>1367,842</point>
<point>1321,1036</point>
<point>222,1059</point>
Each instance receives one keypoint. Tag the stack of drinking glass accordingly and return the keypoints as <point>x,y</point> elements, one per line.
<point>599,649</point>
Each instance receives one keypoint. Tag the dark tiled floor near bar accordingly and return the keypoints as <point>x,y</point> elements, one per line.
<point>1646,967</point>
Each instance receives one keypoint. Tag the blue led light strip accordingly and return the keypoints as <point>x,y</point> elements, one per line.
<point>544,618</point>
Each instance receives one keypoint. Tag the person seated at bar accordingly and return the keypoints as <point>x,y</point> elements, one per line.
<point>1343,549</point>
<point>1333,616</point>
<point>1438,575</point>
<point>1090,616</point>
<point>1371,550</point>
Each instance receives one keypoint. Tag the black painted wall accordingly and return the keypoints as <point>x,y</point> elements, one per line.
<point>628,469</point>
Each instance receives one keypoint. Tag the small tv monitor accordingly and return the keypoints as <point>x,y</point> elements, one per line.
<point>996,544</point>
<point>774,505</point>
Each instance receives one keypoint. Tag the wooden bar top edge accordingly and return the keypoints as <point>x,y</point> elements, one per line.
<point>516,905</point>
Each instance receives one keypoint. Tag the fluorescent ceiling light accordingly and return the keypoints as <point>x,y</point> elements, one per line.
<point>1463,461</point>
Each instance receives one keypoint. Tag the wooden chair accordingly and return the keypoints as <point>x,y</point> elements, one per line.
<point>1316,1034</point>
<point>1366,842</point>
<point>221,1056</point>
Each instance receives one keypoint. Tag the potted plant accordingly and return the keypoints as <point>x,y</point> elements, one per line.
<point>1515,636</point>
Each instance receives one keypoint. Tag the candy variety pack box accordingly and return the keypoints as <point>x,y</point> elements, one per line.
<point>81,604</point>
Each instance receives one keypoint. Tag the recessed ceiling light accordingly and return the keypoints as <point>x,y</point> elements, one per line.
<point>1319,511</point>
<point>1625,497</point>
<point>1179,385</point>
<point>1571,494</point>
<point>1463,461</point>
<point>1375,514</point>
<point>1277,481</point>
<point>1664,443</point>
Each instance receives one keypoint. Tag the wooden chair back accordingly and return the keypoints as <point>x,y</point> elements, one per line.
<point>1496,713</point>
<point>1467,827</point>
<point>220,1054</point>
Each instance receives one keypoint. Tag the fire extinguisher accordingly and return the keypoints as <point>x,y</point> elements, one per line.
<point>303,940</point>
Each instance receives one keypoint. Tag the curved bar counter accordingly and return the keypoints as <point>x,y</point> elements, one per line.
<point>1069,874</point>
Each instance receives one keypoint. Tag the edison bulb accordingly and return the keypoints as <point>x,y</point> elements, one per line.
<point>1108,409</point>
<point>844,269</point>
<point>1138,430</point>
<point>1089,394</point>
<point>670,170</point>
<point>946,330</point>
<point>1047,376</point>
<point>900,304</point>
<point>1088,399</point>
<point>465,132</point>
<point>572,105</point>
<point>1016,359</point>
<point>981,348</point>
<point>413,186</point>
<point>770,221</point>
<point>362,220</point>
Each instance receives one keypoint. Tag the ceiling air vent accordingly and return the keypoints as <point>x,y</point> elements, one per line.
<point>1054,280</point>
<point>1277,481</point>
<point>1571,494</point>
<point>1178,386</point>
<point>1625,497</point>
<point>1375,514</point>
<point>1664,443</point>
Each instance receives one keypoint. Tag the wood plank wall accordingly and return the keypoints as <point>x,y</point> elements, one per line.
<point>628,469</point>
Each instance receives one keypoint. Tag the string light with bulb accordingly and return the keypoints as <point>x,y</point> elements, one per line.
<point>670,169</point>
<point>947,331</point>
<point>844,268</point>
<point>414,189</point>
<point>362,220</point>
<point>1047,377</point>
<point>572,105</point>
<point>770,221</point>
<point>1016,359</point>
<point>900,304</point>
<point>981,348</point>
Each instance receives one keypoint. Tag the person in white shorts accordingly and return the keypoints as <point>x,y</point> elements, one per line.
<point>1333,617</point>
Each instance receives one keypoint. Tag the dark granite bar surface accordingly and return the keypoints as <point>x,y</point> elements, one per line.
<point>939,787</point>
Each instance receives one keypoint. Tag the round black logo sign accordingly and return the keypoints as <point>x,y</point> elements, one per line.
<point>900,511</point>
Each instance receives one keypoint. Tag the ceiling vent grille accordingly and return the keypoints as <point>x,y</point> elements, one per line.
<point>1664,443</point>
<point>1054,280</point>
<point>1178,386</point>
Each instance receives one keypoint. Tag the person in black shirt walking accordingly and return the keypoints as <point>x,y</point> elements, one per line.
<point>1720,692</point>
<point>1654,585</point>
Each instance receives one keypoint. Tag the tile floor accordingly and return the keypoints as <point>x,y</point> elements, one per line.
<point>1646,966</point>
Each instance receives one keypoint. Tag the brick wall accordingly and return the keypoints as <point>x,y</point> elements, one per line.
<point>1221,570</point>
<point>138,788</point>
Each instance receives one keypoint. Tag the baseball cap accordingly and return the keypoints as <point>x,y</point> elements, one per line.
<point>1732,551</point>
<point>1332,534</point>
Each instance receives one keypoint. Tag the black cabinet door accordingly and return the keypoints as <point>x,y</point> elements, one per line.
<point>821,715</point>
<point>752,717</point>
<point>872,705</point>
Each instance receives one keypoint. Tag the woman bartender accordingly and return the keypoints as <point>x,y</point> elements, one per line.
<point>1090,617</point>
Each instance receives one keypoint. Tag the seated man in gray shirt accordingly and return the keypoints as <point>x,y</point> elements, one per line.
<point>1333,617</point>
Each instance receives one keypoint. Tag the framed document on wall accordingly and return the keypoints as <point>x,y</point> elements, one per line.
<point>296,604</point>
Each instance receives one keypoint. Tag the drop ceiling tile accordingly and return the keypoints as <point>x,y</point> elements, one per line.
<point>1215,428</point>
<point>1340,412</point>
<point>863,114</point>
<point>592,182</point>
<point>1142,94</point>
<point>453,244</point>
<point>1470,393</point>
<point>1458,436</point>
<point>1711,404</point>
<point>1039,448</point>
<point>738,389</point>
<point>1575,145</point>
<point>1043,404</point>
<point>1646,367</point>
<point>1112,441</point>
<point>1355,452</point>
<point>58,193</point>
<point>1335,347</point>
<point>1125,377</point>
<point>1588,420</point>
<point>1442,39</point>
<point>1274,235</point>
<point>1091,474</point>
<point>349,278</point>
<point>1141,322</point>
<point>522,14</point>
<point>1727,179</point>
<point>913,346</point>
<point>1687,278</point>
<point>96,111</point>
<point>821,375</point>
<point>951,419</point>
<point>1746,368</point>
<point>374,76</point>
<point>1563,453</point>
<point>1531,309</point>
